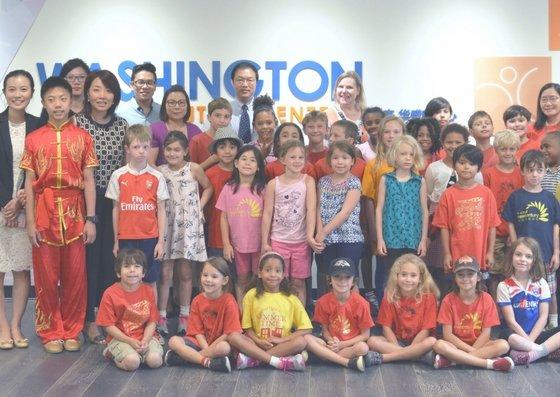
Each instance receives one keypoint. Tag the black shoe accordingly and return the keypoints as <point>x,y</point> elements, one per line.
<point>373,358</point>
<point>357,363</point>
<point>220,364</point>
<point>173,359</point>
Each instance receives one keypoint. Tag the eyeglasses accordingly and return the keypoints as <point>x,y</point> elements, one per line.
<point>147,83</point>
<point>550,99</point>
<point>173,104</point>
<point>80,78</point>
<point>241,80</point>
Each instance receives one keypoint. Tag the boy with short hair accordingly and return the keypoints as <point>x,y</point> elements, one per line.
<point>516,118</point>
<point>502,179</point>
<point>315,125</point>
<point>534,212</point>
<point>219,115</point>
<point>225,145</point>
<point>343,130</point>
<point>550,146</point>
<point>481,129</point>
<point>467,213</point>
<point>128,312</point>
<point>59,159</point>
<point>139,192</point>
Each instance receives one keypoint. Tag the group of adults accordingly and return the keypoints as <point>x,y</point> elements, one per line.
<point>96,107</point>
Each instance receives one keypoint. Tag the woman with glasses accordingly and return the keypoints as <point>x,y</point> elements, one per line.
<point>548,112</point>
<point>102,96</point>
<point>75,72</point>
<point>174,115</point>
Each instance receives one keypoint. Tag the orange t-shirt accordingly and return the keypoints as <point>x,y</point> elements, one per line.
<point>468,320</point>
<point>198,147</point>
<point>218,178</point>
<point>322,168</point>
<point>129,311</point>
<point>343,320</point>
<point>137,194</point>
<point>313,157</point>
<point>276,168</point>
<point>540,134</point>
<point>468,214</point>
<point>408,316</point>
<point>372,175</point>
<point>490,158</point>
<point>529,145</point>
<point>502,184</point>
<point>213,317</point>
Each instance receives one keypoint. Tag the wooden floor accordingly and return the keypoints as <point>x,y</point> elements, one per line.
<point>31,372</point>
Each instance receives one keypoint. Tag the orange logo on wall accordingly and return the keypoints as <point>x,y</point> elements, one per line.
<point>504,81</point>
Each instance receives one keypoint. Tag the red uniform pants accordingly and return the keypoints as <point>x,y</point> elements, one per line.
<point>60,309</point>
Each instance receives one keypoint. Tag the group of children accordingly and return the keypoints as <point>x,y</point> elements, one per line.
<point>270,206</point>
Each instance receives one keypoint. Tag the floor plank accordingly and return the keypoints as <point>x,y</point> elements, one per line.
<point>400,379</point>
<point>365,384</point>
<point>327,380</point>
<point>511,383</point>
<point>253,382</point>
<point>542,377</point>
<point>182,382</point>
<point>435,382</point>
<point>110,382</point>
<point>479,384</point>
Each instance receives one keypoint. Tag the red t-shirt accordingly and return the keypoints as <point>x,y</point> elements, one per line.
<point>490,158</point>
<point>129,311</point>
<point>198,147</point>
<point>408,316</point>
<point>468,214</point>
<point>313,157</point>
<point>213,318</point>
<point>344,320</point>
<point>218,178</point>
<point>468,320</point>
<point>276,168</point>
<point>529,145</point>
<point>502,184</point>
<point>322,168</point>
<point>540,134</point>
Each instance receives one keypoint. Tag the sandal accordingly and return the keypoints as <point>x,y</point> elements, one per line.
<point>6,344</point>
<point>97,340</point>
<point>21,343</point>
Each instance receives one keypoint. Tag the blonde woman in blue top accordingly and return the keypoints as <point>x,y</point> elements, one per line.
<point>402,207</point>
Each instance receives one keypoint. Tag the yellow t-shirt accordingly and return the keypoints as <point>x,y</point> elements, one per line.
<point>273,314</point>
<point>372,176</point>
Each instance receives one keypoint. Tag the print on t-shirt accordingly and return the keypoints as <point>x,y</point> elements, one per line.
<point>534,211</point>
<point>135,316</point>
<point>272,323</point>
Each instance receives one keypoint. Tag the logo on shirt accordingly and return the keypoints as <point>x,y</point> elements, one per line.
<point>124,183</point>
<point>247,207</point>
<point>534,211</point>
<point>149,184</point>
<point>471,321</point>
<point>271,323</point>
<point>137,204</point>
<point>342,324</point>
<point>469,212</point>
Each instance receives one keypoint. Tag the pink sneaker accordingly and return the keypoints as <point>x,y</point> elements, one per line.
<point>519,357</point>
<point>161,326</point>
<point>243,361</point>
<point>554,356</point>
<point>441,362</point>
<point>182,327</point>
<point>293,363</point>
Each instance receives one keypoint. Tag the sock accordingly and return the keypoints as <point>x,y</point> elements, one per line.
<point>275,362</point>
<point>184,310</point>
<point>553,320</point>
<point>205,362</point>
<point>489,364</point>
<point>518,342</point>
<point>163,313</point>
<point>535,354</point>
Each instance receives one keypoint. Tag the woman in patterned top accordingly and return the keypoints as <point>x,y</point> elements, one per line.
<point>103,94</point>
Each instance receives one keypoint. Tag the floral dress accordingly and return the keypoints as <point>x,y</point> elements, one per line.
<point>184,233</point>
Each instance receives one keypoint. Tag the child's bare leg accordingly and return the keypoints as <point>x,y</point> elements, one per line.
<point>130,363</point>
<point>217,349</point>
<point>289,348</point>
<point>553,305</point>
<point>246,346</point>
<point>380,344</point>
<point>20,293</point>
<point>241,286</point>
<point>492,349</point>
<point>411,352</point>
<point>4,325</point>
<point>299,287</point>
<point>458,356</point>
<point>356,350</point>
<point>319,347</point>
<point>185,277</point>
<point>164,283</point>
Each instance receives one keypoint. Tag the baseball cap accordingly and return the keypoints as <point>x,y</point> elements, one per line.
<point>342,266</point>
<point>466,262</point>
<point>224,133</point>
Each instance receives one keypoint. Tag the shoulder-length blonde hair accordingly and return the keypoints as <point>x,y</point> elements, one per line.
<point>361,97</point>
<point>426,284</point>
<point>392,154</point>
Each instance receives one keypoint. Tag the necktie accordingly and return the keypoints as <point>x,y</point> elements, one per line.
<point>244,125</point>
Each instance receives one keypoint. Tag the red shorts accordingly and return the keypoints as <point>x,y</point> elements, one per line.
<point>246,263</point>
<point>297,257</point>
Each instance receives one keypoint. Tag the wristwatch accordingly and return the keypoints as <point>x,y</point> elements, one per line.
<point>93,219</point>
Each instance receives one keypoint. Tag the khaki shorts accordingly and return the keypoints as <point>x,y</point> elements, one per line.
<point>119,350</point>
<point>500,248</point>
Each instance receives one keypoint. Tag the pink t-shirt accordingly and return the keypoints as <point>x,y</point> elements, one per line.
<point>289,220</point>
<point>244,211</point>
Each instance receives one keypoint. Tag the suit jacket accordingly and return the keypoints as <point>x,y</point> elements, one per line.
<point>7,156</point>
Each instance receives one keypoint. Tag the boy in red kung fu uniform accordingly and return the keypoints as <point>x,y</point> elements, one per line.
<point>59,160</point>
